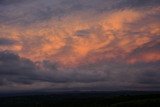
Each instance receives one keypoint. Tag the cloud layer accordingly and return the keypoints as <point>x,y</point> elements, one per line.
<point>79,44</point>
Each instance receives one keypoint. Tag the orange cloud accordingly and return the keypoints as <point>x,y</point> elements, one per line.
<point>109,36</point>
<point>118,19</point>
<point>145,57</point>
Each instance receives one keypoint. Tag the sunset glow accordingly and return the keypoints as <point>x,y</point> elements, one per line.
<point>65,44</point>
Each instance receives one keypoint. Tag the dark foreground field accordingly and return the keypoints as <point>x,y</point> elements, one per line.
<point>84,99</point>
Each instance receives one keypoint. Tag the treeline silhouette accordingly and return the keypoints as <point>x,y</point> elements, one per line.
<point>83,100</point>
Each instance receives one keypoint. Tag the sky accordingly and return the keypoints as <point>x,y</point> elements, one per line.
<point>48,45</point>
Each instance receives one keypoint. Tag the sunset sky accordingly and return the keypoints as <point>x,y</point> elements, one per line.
<point>48,45</point>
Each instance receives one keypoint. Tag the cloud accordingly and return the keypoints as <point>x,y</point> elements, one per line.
<point>83,33</point>
<point>85,44</point>
<point>108,35</point>
<point>137,4</point>
<point>38,11</point>
<point>17,70</point>
<point>149,52</point>
<point>8,2</point>
<point>7,42</point>
<point>150,77</point>
<point>14,69</point>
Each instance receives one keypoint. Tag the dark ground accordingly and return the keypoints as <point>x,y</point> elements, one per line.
<point>83,99</point>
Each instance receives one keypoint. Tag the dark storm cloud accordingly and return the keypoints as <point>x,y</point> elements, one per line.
<point>151,77</point>
<point>137,3</point>
<point>16,69</point>
<point>147,75</point>
<point>21,71</point>
<point>6,42</point>
<point>70,75</point>
<point>29,12</point>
